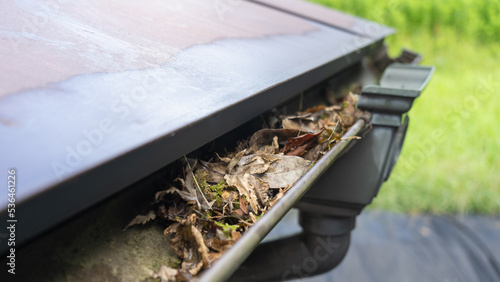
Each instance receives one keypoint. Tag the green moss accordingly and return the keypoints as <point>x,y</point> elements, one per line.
<point>200,177</point>
<point>214,192</point>
<point>218,188</point>
<point>227,228</point>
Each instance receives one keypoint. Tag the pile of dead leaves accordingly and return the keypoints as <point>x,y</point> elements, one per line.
<point>212,204</point>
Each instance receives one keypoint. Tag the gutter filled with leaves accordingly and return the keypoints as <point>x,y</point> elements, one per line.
<point>237,198</point>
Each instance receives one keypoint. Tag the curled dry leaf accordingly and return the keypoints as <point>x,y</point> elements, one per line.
<point>301,125</point>
<point>159,196</point>
<point>202,249</point>
<point>228,197</point>
<point>223,159</point>
<point>243,204</point>
<point>235,235</point>
<point>252,217</point>
<point>166,274</point>
<point>255,164</point>
<point>141,219</point>
<point>187,242</point>
<point>234,161</point>
<point>214,172</point>
<point>297,146</point>
<point>255,174</point>
<point>187,196</point>
<point>245,180</point>
<point>315,109</point>
<point>218,244</point>
<point>244,185</point>
<point>316,152</point>
<point>266,137</point>
<point>278,196</point>
<point>270,149</point>
<point>285,171</point>
<point>172,228</point>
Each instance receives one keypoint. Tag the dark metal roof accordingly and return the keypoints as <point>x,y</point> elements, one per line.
<point>94,96</point>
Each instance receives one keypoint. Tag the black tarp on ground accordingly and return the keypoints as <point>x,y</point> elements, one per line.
<point>395,247</point>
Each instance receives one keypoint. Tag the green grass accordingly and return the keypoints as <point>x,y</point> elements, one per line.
<point>450,162</point>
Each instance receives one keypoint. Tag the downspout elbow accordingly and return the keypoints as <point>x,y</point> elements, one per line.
<point>320,247</point>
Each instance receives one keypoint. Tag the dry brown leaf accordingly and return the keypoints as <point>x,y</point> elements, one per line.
<point>235,161</point>
<point>141,219</point>
<point>196,269</point>
<point>260,188</point>
<point>285,171</point>
<point>302,116</point>
<point>215,256</point>
<point>188,196</point>
<point>302,125</point>
<point>315,153</point>
<point>228,197</point>
<point>315,109</point>
<point>278,196</point>
<point>252,217</point>
<point>214,171</point>
<point>166,274</point>
<point>235,235</point>
<point>159,196</point>
<point>255,163</point>
<point>221,236</point>
<point>265,137</point>
<point>296,146</point>
<point>220,242</point>
<point>202,248</point>
<point>270,149</point>
<point>223,159</point>
<point>247,183</point>
<point>172,228</point>
<point>255,174</point>
<point>242,183</point>
<point>243,205</point>
<point>238,213</point>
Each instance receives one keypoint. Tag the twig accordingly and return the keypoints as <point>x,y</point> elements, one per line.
<point>331,135</point>
<point>196,182</point>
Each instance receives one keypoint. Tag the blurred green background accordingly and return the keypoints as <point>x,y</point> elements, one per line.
<point>450,161</point>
